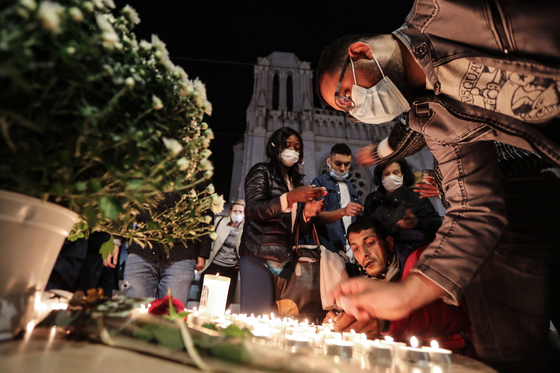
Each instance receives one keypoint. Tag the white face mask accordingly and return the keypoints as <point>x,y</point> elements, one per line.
<point>379,104</point>
<point>236,218</point>
<point>392,182</point>
<point>289,157</point>
<point>339,176</point>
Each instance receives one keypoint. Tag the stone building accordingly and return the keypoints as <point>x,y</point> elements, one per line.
<point>283,97</point>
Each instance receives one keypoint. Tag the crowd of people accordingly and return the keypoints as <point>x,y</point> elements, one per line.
<point>484,98</point>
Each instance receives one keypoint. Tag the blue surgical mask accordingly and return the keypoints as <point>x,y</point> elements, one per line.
<point>379,104</point>
<point>339,176</point>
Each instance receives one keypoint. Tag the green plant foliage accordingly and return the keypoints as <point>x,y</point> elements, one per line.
<point>102,124</point>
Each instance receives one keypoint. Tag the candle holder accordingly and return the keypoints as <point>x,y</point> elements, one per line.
<point>378,353</point>
<point>298,343</point>
<point>439,356</point>
<point>213,297</point>
<point>337,347</point>
<point>414,355</point>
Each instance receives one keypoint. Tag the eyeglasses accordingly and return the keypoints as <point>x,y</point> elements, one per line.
<point>344,103</point>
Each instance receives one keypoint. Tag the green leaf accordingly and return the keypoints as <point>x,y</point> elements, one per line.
<point>108,207</point>
<point>234,331</point>
<point>81,186</point>
<point>91,216</point>
<point>209,326</point>
<point>135,184</point>
<point>107,248</point>
<point>95,185</point>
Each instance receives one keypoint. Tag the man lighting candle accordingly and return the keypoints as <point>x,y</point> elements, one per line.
<point>390,258</point>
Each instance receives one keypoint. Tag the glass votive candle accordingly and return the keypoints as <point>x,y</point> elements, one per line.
<point>414,355</point>
<point>439,356</point>
<point>298,343</point>
<point>337,347</point>
<point>377,352</point>
<point>261,336</point>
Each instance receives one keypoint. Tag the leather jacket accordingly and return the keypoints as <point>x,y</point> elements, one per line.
<point>267,232</point>
<point>516,36</point>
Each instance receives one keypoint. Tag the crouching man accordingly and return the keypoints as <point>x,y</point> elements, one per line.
<point>382,257</point>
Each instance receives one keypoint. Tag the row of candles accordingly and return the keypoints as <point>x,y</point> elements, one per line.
<point>304,337</point>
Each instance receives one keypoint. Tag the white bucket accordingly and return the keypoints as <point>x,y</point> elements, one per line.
<point>31,235</point>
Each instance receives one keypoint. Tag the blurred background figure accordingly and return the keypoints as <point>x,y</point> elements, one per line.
<point>224,257</point>
<point>396,205</point>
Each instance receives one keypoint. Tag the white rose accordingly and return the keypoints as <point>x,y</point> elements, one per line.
<point>156,103</point>
<point>217,204</point>
<point>76,14</point>
<point>172,145</point>
<point>183,163</point>
<point>29,4</point>
<point>131,14</point>
<point>49,16</point>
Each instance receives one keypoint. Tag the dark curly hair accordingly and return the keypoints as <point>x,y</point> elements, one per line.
<point>408,176</point>
<point>274,147</point>
<point>365,223</point>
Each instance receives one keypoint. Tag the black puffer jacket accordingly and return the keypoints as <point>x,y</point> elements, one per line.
<point>268,232</point>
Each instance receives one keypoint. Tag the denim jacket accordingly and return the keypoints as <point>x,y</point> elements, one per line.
<point>333,235</point>
<point>516,36</point>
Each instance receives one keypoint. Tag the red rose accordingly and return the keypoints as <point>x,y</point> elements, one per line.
<point>161,306</point>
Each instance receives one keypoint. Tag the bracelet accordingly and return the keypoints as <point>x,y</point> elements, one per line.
<point>290,201</point>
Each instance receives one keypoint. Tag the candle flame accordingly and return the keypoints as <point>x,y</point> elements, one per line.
<point>389,339</point>
<point>330,321</point>
<point>377,343</point>
<point>217,274</point>
<point>228,312</point>
<point>352,331</point>
<point>364,337</point>
<point>30,326</point>
<point>434,344</point>
<point>414,342</point>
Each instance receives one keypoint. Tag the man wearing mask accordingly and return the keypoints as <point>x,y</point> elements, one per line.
<point>341,205</point>
<point>476,74</point>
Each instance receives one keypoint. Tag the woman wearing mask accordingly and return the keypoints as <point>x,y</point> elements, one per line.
<point>277,204</point>
<point>396,205</point>
<point>224,257</point>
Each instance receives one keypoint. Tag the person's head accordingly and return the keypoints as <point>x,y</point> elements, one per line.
<point>371,244</point>
<point>352,66</point>
<point>237,211</point>
<point>340,161</point>
<point>284,150</point>
<point>393,175</point>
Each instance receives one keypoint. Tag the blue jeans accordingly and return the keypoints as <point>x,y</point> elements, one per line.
<point>257,287</point>
<point>150,279</point>
<point>511,298</point>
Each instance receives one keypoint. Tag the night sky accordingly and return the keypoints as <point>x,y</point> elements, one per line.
<point>236,33</point>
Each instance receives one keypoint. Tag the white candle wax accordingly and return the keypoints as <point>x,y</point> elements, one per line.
<point>377,352</point>
<point>213,297</point>
<point>337,347</point>
<point>438,356</point>
<point>414,355</point>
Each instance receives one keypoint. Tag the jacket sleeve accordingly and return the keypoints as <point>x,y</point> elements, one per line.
<point>205,246</point>
<point>428,218</point>
<point>435,320</point>
<point>476,217</point>
<point>402,142</point>
<point>260,207</point>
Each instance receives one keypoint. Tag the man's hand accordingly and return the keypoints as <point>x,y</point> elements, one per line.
<point>365,156</point>
<point>313,208</point>
<point>409,221</point>
<point>112,260</point>
<point>427,189</point>
<point>345,322</point>
<point>366,298</point>
<point>200,262</point>
<point>352,209</point>
<point>306,194</point>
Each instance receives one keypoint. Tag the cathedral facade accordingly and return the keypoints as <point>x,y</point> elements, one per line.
<point>283,97</point>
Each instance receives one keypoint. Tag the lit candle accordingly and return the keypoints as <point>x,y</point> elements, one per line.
<point>413,354</point>
<point>438,356</point>
<point>337,347</point>
<point>213,297</point>
<point>394,345</point>
<point>377,352</point>
<point>298,343</point>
